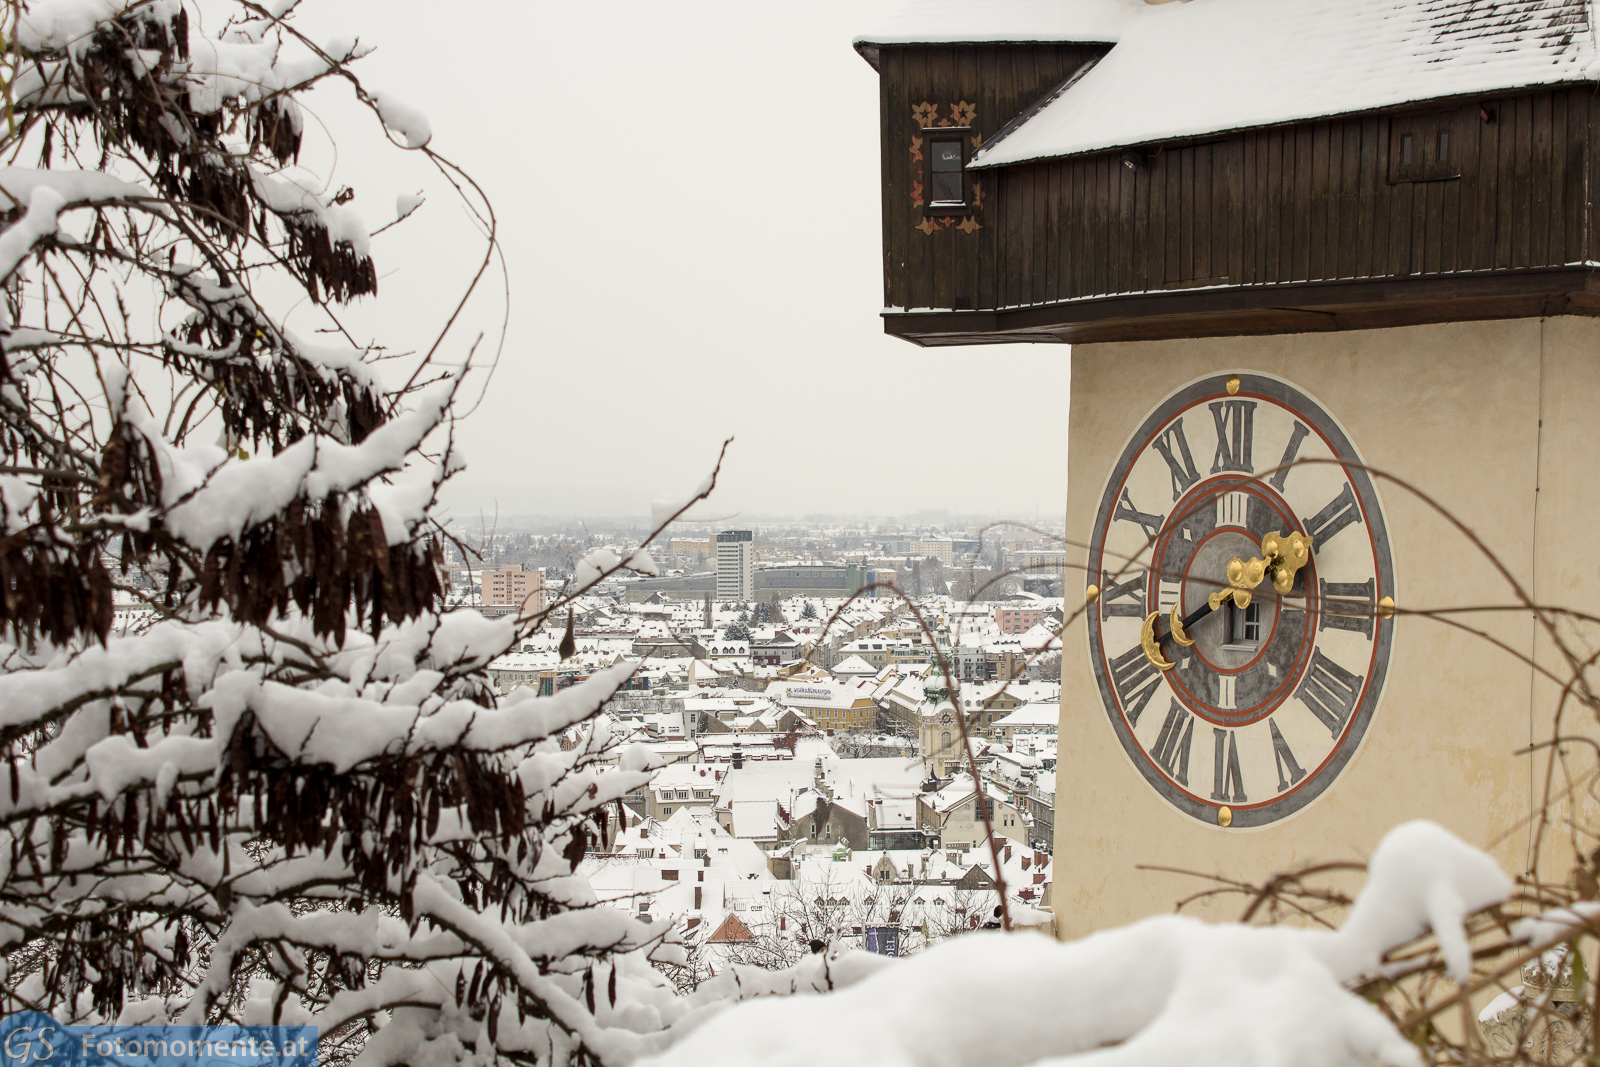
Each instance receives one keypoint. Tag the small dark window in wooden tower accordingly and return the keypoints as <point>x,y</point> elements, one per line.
<point>1421,148</point>
<point>949,187</point>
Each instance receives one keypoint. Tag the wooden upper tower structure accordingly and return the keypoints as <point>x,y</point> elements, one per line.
<point>1118,170</point>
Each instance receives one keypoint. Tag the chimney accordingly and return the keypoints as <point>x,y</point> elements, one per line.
<point>1006,855</point>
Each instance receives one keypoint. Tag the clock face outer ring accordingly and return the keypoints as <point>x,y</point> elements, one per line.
<point>1320,422</point>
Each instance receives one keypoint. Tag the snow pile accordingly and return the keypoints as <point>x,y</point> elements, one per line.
<point>1164,991</point>
<point>1420,879</point>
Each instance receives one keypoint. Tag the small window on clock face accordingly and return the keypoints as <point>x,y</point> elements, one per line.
<point>1252,624</point>
<point>1244,626</point>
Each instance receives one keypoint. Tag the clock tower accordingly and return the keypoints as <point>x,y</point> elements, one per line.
<point>1328,271</point>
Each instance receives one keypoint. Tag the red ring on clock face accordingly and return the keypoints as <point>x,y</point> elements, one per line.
<point>1197,586</point>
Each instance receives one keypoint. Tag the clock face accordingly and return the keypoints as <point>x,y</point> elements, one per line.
<point>1270,702</point>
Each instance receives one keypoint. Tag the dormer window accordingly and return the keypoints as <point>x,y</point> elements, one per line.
<point>949,187</point>
<point>1421,148</point>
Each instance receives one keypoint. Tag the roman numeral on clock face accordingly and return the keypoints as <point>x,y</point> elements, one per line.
<point>1136,682</point>
<point>1172,745</point>
<point>1126,512</point>
<point>1174,448</point>
<point>1132,589</point>
<point>1227,692</point>
<point>1289,455</point>
<point>1167,592</point>
<point>1340,512</point>
<point>1329,691</point>
<point>1285,759</point>
<point>1235,421</point>
<point>1233,509</point>
<point>1348,606</point>
<point>1227,784</point>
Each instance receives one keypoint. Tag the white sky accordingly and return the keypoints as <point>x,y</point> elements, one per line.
<point>688,196</point>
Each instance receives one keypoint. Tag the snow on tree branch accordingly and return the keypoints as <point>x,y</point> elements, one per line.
<point>296,795</point>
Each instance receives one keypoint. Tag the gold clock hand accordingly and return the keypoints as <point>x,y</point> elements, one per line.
<point>1152,644</point>
<point>1282,556</point>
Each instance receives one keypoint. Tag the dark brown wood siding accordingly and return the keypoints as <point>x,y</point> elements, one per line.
<point>950,266</point>
<point>1311,202</point>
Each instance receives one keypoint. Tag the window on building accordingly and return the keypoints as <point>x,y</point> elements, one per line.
<point>1421,148</point>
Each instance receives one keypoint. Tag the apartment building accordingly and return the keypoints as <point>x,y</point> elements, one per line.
<point>1018,620</point>
<point>514,586</point>
<point>736,565</point>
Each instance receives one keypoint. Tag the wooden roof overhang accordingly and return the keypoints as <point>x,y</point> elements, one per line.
<point>1289,307</point>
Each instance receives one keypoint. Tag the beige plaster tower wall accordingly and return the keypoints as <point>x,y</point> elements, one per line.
<point>1455,410</point>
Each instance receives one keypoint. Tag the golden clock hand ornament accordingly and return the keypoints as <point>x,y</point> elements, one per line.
<point>1282,556</point>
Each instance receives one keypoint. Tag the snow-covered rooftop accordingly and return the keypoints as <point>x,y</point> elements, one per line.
<point>1208,66</point>
<point>854,665</point>
<point>964,22</point>
<point>1039,713</point>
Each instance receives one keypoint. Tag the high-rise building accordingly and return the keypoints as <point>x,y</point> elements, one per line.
<point>514,586</point>
<point>736,565</point>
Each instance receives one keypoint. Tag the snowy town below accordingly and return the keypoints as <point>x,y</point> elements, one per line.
<point>813,785</point>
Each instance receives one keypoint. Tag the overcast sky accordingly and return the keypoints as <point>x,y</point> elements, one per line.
<point>688,205</point>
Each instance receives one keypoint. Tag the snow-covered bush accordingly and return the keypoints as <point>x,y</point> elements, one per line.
<point>289,792</point>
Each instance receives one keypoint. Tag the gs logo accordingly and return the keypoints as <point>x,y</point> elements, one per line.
<point>31,1037</point>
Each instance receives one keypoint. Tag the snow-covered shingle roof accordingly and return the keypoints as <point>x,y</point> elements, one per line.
<point>1209,66</point>
<point>1021,21</point>
<point>854,665</point>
